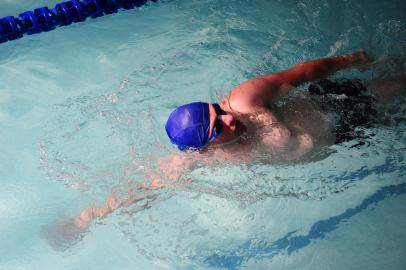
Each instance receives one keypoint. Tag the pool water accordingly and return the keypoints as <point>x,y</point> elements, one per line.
<point>82,110</point>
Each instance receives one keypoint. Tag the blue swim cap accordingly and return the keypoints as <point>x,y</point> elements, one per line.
<point>188,126</point>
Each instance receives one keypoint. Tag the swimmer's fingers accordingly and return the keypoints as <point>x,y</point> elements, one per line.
<point>362,60</point>
<point>65,233</point>
<point>85,217</point>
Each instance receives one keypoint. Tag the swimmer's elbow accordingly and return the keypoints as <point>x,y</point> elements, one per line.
<point>305,144</point>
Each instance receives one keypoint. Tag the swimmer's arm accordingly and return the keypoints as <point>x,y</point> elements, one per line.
<point>67,231</point>
<point>171,169</point>
<point>313,70</point>
<point>261,91</point>
<point>112,203</point>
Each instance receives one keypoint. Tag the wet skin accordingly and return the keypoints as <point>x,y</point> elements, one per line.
<point>249,102</point>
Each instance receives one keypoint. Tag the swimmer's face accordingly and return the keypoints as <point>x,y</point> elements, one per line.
<point>231,127</point>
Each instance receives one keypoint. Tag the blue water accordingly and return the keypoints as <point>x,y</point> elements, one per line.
<point>82,110</point>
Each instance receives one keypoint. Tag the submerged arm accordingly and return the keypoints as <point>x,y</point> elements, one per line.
<point>171,169</point>
<point>67,232</point>
<point>112,203</point>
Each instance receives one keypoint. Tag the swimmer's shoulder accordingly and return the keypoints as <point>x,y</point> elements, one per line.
<point>238,107</point>
<point>242,100</point>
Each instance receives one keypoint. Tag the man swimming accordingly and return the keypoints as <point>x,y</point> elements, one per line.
<point>204,126</point>
<point>239,119</point>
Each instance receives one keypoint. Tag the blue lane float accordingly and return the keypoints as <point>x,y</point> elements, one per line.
<point>65,13</point>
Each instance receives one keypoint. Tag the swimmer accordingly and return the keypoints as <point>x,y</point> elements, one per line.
<point>217,129</point>
<point>197,128</point>
<point>246,109</point>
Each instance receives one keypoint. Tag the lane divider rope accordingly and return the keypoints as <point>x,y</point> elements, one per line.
<point>65,13</point>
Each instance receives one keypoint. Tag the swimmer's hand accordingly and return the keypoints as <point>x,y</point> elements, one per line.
<point>360,59</point>
<point>65,233</point>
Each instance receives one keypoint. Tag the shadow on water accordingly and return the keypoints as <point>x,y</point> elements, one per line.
<point>391,164</point>
<point>233,259</point>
